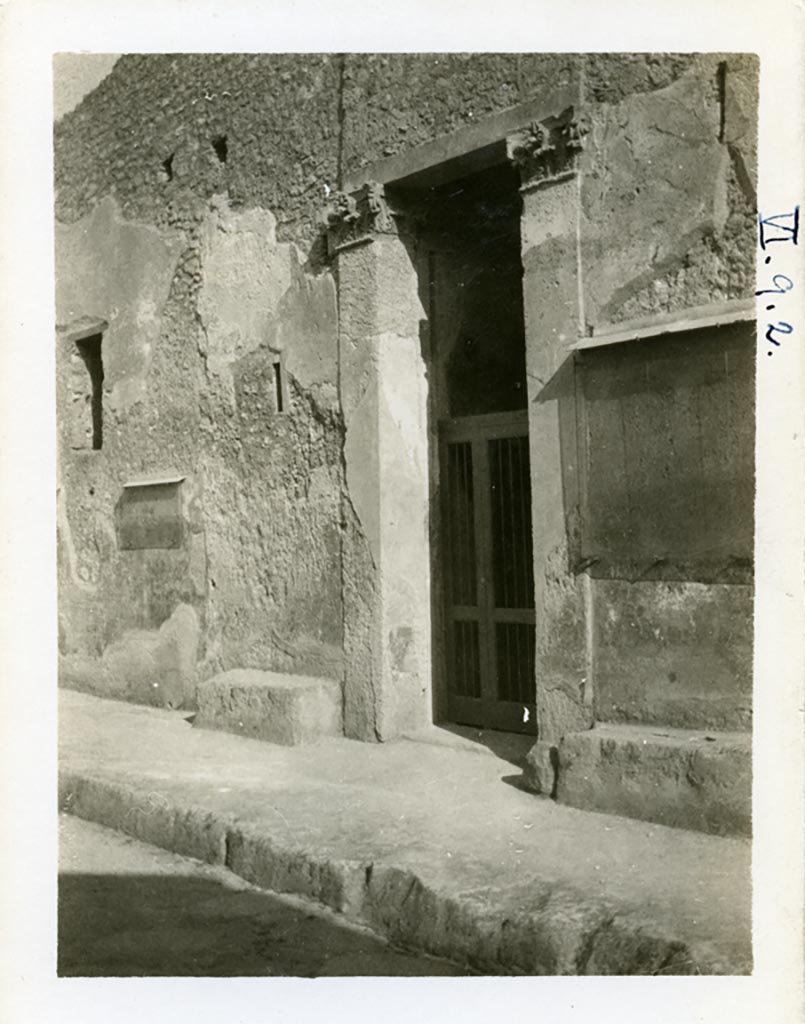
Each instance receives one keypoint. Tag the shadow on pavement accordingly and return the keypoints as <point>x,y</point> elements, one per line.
<point>508,746</point>
<point>149,925</point>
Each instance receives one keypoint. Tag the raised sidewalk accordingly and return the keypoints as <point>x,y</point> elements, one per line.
<point>433,847</point>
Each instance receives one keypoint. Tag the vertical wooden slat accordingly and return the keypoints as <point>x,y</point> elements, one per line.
<point>472,542</point>
<point>472,629</point>
<point>511,569</point>
<point>514,684</point>
<point>521,538</point>
<point>525,519</point>
<point>452,535</point>
<point>524,664</point>
<point>459,660</point>
<point>500,661</point>
<point>483,527</point>
<point>461,494</point>
<point>509,662</point>
<point>505,538</point>
<point>458,515</point>
<point>461,516</point>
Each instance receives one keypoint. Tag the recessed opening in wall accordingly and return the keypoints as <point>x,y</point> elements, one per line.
<point>280,401</point>
<point>167,168</point>
<point>89,349</point>
<point>149,514</point>
<point>221,149</point>
<point>473,228</point>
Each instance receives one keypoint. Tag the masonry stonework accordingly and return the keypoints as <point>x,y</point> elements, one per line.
<point>283,349</point>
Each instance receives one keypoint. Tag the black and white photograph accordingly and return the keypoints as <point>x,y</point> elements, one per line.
<point>406,513</point>
<point>406,422</point>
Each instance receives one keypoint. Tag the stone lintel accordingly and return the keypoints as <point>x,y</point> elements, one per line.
<point>472,148</point>
<point>83,327</point>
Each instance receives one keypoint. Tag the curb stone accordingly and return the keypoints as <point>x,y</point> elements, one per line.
<point>553,930</point>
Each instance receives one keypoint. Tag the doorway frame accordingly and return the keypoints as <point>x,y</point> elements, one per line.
<point>392,611</point>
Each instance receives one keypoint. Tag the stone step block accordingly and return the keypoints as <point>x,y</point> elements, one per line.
<point>286,709</point>
<point>683,778</point>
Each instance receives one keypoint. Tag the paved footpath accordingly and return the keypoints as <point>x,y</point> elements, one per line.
<point>433,847</point>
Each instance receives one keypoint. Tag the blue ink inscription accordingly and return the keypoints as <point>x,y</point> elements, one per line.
<point>781,227</point>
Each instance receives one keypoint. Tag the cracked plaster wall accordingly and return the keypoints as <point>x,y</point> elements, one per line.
<point>668,194</point>
<point>120,273</point>
<point>196,323</point>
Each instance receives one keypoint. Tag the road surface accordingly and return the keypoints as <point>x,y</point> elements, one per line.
<point>127,909</point>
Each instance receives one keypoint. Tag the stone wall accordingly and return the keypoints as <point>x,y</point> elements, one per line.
<point>163,133</point>
<point>188,194</point>
<point>199,325</point>
<point>652,215</point>
<point>668,195</point>
<point>668,224</point>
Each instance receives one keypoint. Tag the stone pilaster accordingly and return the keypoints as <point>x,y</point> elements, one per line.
<point>383,393</point>
<point>547,155</point>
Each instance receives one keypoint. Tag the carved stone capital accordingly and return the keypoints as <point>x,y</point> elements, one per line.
<point>547,151</point>
<point>355,218</point>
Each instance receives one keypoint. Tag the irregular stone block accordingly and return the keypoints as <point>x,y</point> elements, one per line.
<point>539,770</point>
<point>677,777</point>
<point>286,709</point>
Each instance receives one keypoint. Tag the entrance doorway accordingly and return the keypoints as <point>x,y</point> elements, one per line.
<point>484,565</point>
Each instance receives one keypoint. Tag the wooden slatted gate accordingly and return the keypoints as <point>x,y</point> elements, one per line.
<point>489,585</point>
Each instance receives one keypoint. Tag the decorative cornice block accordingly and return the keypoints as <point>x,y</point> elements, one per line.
<point>547,151</point>
<point>356,218</point>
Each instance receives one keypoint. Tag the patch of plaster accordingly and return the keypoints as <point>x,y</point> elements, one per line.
<point>66,544</point>
<point>307,329</point>
<point>245,273</point>
<point>656,185</point>
<point>156,666</point>
<point>361,458</point>
<point>404,395</point>
<point>118,271</point>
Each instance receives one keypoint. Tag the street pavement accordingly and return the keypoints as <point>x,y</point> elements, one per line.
<point>129,909</point>
<point>434,847</point>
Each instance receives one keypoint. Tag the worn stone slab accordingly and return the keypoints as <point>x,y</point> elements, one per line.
<point>678,777</point>
<point>285,709</point>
